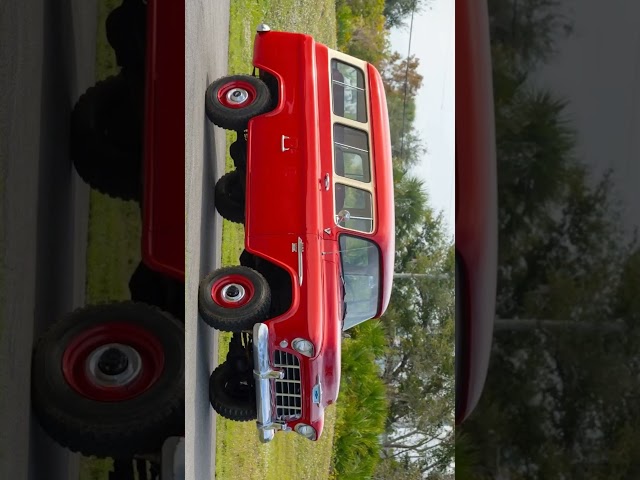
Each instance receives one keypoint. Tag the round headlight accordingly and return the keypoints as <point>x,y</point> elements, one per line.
<point>305,347</point>
<point>306,431</point>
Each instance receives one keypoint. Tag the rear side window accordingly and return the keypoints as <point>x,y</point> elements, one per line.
<point>351,153</point>
<point>348,91</point>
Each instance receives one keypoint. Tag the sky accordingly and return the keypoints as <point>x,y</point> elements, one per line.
<point>433,42</point>
<point>608,131</point>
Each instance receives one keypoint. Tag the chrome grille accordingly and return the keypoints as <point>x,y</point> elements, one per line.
<point>288,389</point>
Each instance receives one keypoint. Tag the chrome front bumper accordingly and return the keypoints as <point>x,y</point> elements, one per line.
<point>263,373</point>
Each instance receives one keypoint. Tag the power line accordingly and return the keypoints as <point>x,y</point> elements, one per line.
<point>406,81</point>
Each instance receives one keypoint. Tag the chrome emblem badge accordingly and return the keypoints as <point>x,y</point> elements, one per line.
<point>316,393</point>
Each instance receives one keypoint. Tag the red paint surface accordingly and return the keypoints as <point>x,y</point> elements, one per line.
<point>163,200</point>
<point>476,196</point>
<point>74,361</point>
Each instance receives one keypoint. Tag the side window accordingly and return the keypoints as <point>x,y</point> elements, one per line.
<point>348,92</point>
<point>353,208</point>
<point>351,153</point>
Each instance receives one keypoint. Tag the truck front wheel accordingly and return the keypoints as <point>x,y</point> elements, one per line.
<point>230,102</point>
<point>233,299</point>
<point>108,380</point>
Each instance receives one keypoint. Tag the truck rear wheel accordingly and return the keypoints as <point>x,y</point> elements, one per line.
<point>229,196</point>
<point>230,102</point>
<point>108,380</point>
<point>238,152</point>
<point>233,299</point>
<point>232,393</point>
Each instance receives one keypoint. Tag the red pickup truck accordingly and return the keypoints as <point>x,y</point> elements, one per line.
<point>313,187</point>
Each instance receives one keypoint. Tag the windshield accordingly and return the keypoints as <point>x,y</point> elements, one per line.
<point>360,260</point>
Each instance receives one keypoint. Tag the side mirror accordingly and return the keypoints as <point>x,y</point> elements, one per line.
<point>343,216</point>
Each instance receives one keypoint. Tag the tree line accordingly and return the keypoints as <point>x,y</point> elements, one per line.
<point>558,402</point>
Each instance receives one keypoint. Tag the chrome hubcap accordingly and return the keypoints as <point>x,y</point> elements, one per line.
<point>237,96</point>
<point>233,292</point>
<point>113,365</point>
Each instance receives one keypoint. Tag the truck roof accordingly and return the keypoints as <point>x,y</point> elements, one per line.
<point>384,234</point>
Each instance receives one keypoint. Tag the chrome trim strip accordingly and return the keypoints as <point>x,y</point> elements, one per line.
<point>262,373</point>
<point>351,148</point>
<point>300,250</point>
<point>347,85</point>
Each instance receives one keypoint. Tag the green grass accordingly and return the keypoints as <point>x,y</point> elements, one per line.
<point>288,456</point>
<point>113,249</point>
<point>362,409</point>
<point>316,18</point>
<point>92,468</point>
<point>239,454</point>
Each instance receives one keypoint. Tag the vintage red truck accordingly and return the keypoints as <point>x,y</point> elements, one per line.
<point>313,186</point>
<point>476,204</point>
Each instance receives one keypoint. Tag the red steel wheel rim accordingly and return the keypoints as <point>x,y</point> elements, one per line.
<point>222,294</point>
<point>83,351</point>
<point>243,92</point>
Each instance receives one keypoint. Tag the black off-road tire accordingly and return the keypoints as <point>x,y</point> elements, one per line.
<point>230,400</point>
<point>115,428</point>
<point>234,318</point>
<point>106,141</point>
<point>126,33</point>
<point>238,152</point>
<point>272,83</point>
<point>236,118</point>
<point>229,196</point>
